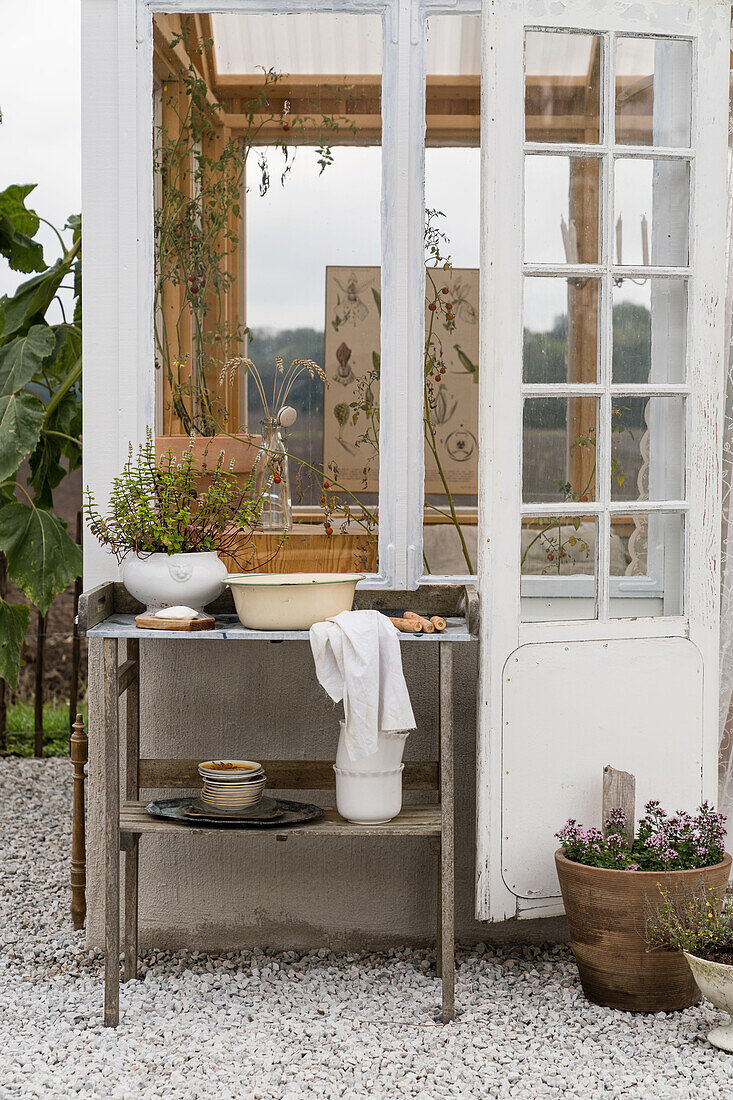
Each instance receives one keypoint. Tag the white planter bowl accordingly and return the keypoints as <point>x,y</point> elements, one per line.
<point>388,756</point>
<point>291,601</point>
<point>715,981</point>
<point>369,798</point>
<point>164,580</point>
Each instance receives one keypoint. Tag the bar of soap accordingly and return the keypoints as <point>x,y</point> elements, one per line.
<point>178,612</point>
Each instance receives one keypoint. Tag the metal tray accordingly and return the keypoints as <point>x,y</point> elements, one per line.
<point>294,813</point>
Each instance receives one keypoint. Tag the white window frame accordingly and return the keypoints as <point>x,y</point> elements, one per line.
<point>117,118</point>
<point>707,23</point>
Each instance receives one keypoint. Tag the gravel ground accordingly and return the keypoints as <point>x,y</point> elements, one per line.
<point>284,1026</point>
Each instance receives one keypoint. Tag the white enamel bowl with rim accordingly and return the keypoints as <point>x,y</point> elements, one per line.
<point>291,601</point>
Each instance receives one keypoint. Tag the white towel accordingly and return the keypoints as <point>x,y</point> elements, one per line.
<point>357,658</point>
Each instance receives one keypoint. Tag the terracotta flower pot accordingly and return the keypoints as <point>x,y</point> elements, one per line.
<point>607,913</point>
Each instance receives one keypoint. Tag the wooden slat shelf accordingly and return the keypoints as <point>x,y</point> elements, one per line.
<point>282,775</point>
<point>229,628</point>
<point>412,821</point>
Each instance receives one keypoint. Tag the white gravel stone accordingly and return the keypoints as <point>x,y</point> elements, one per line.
<point>271,1025</point>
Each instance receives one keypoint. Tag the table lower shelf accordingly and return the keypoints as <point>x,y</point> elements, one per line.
<point>411,821</point>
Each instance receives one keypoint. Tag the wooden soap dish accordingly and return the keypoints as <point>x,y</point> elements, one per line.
<point>153,622</point>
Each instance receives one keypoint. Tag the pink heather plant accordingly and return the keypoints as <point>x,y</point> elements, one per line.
<point>677,843</point>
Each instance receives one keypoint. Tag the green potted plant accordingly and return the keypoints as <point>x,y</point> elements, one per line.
<point>698,928</point>
<point>168,531</point>
<point>609,881</point>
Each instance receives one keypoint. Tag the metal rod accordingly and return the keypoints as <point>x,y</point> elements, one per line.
<point>79,755</point>
<point>3,685</point>
<point>40,647</point>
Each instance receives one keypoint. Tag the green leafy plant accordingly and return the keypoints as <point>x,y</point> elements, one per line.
<point>692,922</point>
<point>40,417</point>
<point>169,507</point>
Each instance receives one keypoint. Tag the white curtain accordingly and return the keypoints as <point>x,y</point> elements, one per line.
<point>726,591</point>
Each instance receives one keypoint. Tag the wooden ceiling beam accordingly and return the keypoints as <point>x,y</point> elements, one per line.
<point>167,40</point>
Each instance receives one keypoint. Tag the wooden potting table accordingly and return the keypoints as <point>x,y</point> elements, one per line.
<point>108,613</point>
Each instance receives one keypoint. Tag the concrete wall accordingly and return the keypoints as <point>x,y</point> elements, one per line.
<point>203,699</point>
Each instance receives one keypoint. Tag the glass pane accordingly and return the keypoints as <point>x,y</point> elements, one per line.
<point>559,450</point>
<point>562,86</point>
<point>648,448</point>
<point>560,330</point>
<point>450,409</point>
<point>649,330</point>
<point>653,91</point>
<point>558,568</point>
<point>559,546</point>
<point>647,560</point>
<point>292,145</point>
<point>561,209</point>
<point>652,207</point>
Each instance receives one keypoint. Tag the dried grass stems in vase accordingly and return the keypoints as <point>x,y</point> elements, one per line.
<point>282,383</point>
<point>337,502</point>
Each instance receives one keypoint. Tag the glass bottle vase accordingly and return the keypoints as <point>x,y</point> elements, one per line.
<point>272,479</point>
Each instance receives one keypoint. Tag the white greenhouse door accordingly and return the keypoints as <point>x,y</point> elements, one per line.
<point>604,137</point>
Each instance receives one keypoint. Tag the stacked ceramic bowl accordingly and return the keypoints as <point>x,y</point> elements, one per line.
<point>232,784</point>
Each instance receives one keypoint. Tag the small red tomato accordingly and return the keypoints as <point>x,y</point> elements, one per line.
<point>432,307</point>
<point>285,127</point>
<point>326,485</point>
<point>550,557</point>
<point>444,290</point>
<point>329,529</point>
<point>277,479</point>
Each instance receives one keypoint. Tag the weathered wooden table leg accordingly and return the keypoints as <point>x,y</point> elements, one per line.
<point>447,871</point>
<point>111,836</point>
<point>132,791</point>
<point>130,846</point>
<point>435,850</point>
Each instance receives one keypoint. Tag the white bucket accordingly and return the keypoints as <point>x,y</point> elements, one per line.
<point>387,758</point>
<point>369,798</point>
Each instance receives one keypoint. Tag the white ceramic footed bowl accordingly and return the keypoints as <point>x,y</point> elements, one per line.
<point>163,580</point>
<point>291,601</point>
<point>715,981</point>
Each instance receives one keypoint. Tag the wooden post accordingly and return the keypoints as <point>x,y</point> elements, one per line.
<point>447,870</point>
<point>79,757</point>
<point>111,764</point>
<point>75,639</point>
<point>619,790</point>
<point>132,793</point>
<point>40,645</point>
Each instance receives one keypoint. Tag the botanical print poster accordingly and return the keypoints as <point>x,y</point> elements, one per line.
<point>352,364</point>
